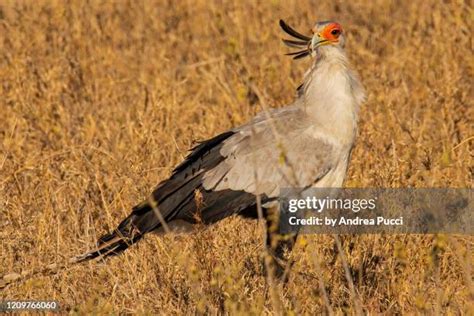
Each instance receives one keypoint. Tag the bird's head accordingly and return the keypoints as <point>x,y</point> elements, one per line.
<point>327,33</point>
<point>324,34</point>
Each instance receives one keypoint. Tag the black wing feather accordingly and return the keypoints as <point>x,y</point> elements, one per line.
<point>176,199</point>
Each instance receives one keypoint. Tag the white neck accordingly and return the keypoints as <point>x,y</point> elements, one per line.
<point>332,94</point>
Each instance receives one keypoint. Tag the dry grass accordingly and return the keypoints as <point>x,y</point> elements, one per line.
<point>100,100</point>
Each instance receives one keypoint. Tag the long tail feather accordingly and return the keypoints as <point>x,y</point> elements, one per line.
<point>115,242</point>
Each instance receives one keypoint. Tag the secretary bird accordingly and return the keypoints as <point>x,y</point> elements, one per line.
<point>305,144</point>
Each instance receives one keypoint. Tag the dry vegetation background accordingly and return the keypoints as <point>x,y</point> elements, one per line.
<point>99,100</point>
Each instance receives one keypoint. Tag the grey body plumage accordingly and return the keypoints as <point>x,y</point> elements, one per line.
<point>306,144</point>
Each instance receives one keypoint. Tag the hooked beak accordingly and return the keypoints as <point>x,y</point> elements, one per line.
<point>317,41</point>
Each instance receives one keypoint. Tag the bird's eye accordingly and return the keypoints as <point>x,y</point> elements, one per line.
<point>335,32</point>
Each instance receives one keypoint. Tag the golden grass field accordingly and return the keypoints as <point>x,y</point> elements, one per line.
<point>99,101</point>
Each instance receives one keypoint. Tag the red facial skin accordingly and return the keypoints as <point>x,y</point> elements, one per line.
<point>328,31</point>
